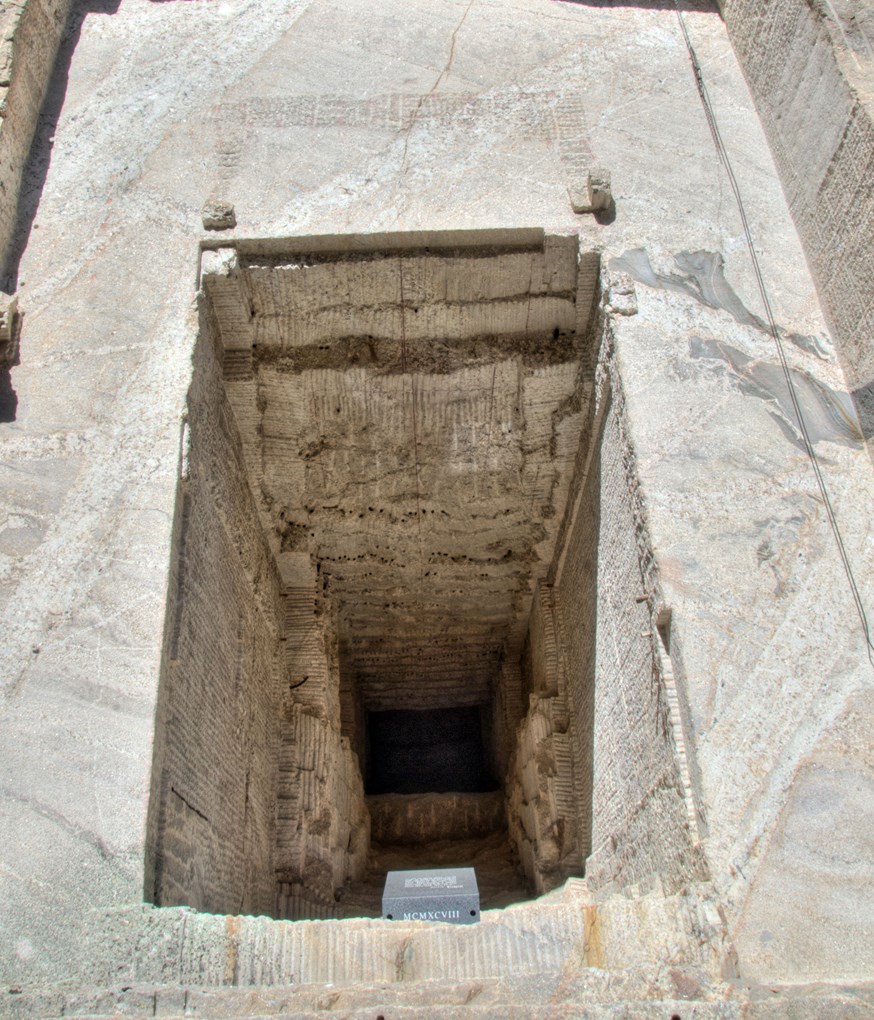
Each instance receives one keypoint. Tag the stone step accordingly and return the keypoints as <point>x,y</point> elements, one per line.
<point>540,997</point>
<point>420,819</point>
<point>179,946</point>
<point>561,948</point>
<point>500,882</point>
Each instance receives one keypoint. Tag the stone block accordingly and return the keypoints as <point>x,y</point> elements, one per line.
<point>218,215</point>
<point>447,894</point>
<point>593,197</point>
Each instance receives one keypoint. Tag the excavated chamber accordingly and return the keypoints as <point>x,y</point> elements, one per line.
<point>394,564</point>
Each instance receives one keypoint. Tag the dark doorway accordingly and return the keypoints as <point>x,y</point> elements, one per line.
<point>433,751</point>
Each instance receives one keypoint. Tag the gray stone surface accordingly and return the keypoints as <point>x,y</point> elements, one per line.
<point>30,36</point>
<point>435,894</point>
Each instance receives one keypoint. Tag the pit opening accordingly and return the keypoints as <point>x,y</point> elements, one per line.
<point>404,587</point>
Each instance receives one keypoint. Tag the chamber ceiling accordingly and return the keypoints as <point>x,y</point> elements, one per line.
<point>409,408</point>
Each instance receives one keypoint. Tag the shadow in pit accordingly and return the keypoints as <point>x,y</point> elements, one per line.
<point>8,398</point>
<point>39,158</point>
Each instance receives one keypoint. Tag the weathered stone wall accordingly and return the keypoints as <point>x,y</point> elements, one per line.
<point>542,658</point>
<point>597,771</point>
<point>214,775</point>
<point>633,812</point>
<point>416,819</point>
<point>507,711</point>
<point>30,32</point>
<point>406,404</point>
<point>541,792</point>
<point>541,802</point>
<point>800,56</point>
<point>323,827</point>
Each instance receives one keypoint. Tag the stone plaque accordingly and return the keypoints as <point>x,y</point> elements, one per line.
<point>447,894</point>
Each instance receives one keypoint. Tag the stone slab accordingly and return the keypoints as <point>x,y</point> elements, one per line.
<point>444,894</point>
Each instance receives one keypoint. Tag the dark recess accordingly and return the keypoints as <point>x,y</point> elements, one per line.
<point>429,751</point>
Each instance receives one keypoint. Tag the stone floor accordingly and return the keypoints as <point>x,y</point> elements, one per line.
<point>498,877</point>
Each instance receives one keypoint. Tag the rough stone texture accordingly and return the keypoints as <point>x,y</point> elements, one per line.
<point>547,808</point>
<point>595,195</point>
<point>759,810</point>
<point>421,818</point>
<point>30,33</point>
<point>214,779</point>
<point>476,117</point>
<point>218,215</point>
<point>409,421</point>
<point>10,329</point>
<point>491,999</point>
<point>620,941</point>
<point>323,827</point>
<point>639,827</point>
<point>800,56</point>
<point>541,803</point>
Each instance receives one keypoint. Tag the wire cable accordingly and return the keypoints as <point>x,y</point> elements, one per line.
<point>775,333</point>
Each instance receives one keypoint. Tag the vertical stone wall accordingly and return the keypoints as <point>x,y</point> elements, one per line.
<point>507,711</point>
<point>541,802</point>
<point>541,791</point>
<point>542,654</point>
<point>633,820</point>
<point>30,32</point>
<point>323,826</point>
<point>212,825</point>
<point>813,93</point>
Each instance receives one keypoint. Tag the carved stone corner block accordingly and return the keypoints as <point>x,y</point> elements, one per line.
<point>218,215</point>
<point>620,294</point>
<point>594,196</point>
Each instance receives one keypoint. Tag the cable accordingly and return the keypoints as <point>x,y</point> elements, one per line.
<point>775,333</point>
